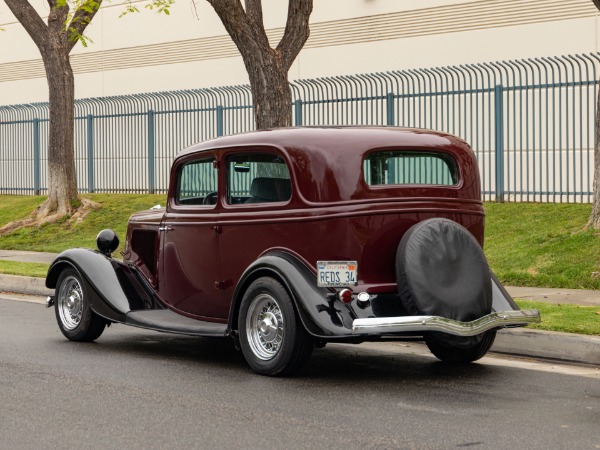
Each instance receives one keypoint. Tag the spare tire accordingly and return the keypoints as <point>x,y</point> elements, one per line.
<point>441,271</point>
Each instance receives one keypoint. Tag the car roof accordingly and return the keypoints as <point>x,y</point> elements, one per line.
<point>318,155</point>
<point>320,139</point>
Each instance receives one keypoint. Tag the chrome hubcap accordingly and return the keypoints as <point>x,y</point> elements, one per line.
<point>267,326</point>
<point>264,327</point>
<point>70,303</point>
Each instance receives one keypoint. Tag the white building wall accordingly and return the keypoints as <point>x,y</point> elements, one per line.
<point>190,49</point>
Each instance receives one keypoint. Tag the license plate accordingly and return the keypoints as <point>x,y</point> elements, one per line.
<point>337,273</point>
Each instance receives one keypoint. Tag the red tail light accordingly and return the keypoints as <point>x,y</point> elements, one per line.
<point>345,295</point>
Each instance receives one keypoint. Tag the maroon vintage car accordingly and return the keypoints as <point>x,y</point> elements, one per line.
<point>287,239</point>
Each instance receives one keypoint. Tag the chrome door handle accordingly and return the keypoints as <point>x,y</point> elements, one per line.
<point>166,228</point>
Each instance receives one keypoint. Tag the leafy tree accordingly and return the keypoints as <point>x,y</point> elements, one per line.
<point>267,67</point>
<point>267,70</point>
<point>594,221</point>
<point>55,40</point>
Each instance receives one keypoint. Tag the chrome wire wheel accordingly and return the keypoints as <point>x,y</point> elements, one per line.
<point>70,303</point>
<point>273,340</point>
<point>265,327</point>
<point>73,309</point>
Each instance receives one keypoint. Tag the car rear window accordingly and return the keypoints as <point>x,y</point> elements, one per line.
<point>402,167</point>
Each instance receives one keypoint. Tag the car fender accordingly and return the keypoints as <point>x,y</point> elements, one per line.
<point>98,272</point>
<point>321,315</point>
<point>501,299</point>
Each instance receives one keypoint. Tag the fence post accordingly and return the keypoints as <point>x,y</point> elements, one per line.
<point>298,113</point>
<point>151,151</point>
<point>389,98</point>
<point>90,152</point>
<point>499,131</point>
<point>36,156</point>
<point>219,120</point>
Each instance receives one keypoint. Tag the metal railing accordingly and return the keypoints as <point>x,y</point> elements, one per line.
<point>531,123</point>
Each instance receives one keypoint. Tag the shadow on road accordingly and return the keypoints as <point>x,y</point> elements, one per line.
<point>337,363</point>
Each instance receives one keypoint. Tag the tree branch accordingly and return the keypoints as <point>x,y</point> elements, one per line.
<point>81,19</point>
<point>247,36</point>
<point>57,18</point>
<point>255,14</point>
<point>233,17</point>
<point>31,21</point>
<point>296,30</point>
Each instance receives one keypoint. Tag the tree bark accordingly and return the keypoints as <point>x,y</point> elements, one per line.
<point>55,41</point>
<point>594,220</point>
<point>267,67</point>
<point>270,90</point>
<point>62,179</point>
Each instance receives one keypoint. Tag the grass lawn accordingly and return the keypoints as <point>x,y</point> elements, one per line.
<point>532,244</point>
<point>24,269</point>
<point>527,244</point>
<point>114,213</point>
<point>565,318</point>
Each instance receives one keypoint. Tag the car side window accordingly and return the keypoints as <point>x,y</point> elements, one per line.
<point>257,178</point>
<point>197,183</point>
<point>403,167</point>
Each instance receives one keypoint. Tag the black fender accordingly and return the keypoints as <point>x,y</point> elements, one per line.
<point>113,287</point>
<point>501,299</point>
<point>321,315</point>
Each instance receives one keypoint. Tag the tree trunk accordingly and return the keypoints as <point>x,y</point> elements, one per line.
<point>594,221</point>
<point>55,41</point>
<point>267,67</point>
<point>62,181</point>
<point>270,90</point>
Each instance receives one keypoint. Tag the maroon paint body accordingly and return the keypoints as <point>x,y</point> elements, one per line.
<point>197,259</point>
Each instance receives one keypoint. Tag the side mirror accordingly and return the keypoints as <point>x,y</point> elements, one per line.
<point>107,242</point>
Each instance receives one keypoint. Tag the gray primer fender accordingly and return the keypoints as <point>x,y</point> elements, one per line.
<point>320,316</point>
<point>98,271</point>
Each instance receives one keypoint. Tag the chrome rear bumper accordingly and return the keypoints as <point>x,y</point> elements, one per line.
<point>389,325</point>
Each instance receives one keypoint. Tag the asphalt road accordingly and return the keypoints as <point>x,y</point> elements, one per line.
<point>138,389</point>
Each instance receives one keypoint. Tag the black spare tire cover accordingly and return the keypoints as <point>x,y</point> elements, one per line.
<point>441,271</point>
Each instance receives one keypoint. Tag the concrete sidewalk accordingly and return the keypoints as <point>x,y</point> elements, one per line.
<point>556,296</point>
<point>520,341</point>
<point>30,257</point>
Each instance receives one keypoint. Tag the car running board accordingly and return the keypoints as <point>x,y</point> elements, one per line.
<point>169,322</point>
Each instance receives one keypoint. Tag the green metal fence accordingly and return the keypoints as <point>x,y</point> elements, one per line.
<point>530,122</point>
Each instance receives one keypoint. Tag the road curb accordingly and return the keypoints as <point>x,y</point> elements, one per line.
<point>519,341</point>
<point>24,285</point>
<point>549,345</point>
